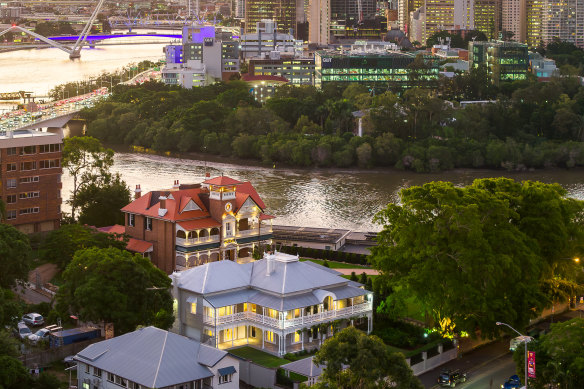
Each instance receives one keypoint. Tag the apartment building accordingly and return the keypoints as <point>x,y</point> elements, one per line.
<point>30,179</point>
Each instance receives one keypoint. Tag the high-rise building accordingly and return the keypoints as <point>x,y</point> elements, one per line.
<point>563,20</point>
<point>319,21</point>
<point>30,179</point>
<point>439,15</point>
<point>514,18</point>
<point>487,17</point>
<point>404,10</point>
<point>266,40</point>
<point>534,22</point>
<point>283,12</point>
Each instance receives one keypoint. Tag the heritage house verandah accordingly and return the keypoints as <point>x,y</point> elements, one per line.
<point>278,304</point>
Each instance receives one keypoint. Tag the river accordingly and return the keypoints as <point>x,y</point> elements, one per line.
<point>40,70</point>
<point>320,198</point>
<point>317,198</point>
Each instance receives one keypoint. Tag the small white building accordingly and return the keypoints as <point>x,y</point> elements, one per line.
<point>154,358</point>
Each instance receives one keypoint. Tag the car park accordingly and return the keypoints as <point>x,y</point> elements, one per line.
<point>512,383</point>
<point>33,319</point>
<point>451,378</point>
<point>43,333</point>
<point>22,330</point>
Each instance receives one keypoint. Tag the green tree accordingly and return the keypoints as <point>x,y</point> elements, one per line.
<point>100,204</point>
<point>116,286</point>
<point>88,163</point>
<point>13,374</point>
<point>559,357</point>
<point>62,244</point>
<point>472,255</point>
<point>14,256</point>
<point>370,363</point>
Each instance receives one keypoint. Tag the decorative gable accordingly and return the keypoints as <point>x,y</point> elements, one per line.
<point>247,207</point>
<point>191,206</point>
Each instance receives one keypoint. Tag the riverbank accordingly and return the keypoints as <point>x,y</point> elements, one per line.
<point>219,160</point>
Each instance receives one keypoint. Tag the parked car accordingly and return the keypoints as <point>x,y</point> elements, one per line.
<point>22,331</point>
<point>451,378</point>
<point>69,361</point>
<point>33,319</point>
<point>43,333</point>
<point>512,383</point>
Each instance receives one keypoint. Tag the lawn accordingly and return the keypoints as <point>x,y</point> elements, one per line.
<point>259,357</point>
<point>336,265</point>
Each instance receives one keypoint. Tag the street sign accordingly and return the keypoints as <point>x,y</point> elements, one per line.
<point>531,364</point>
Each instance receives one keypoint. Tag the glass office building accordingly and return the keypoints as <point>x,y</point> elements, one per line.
<point>380,71</point>
<point>505,61</point>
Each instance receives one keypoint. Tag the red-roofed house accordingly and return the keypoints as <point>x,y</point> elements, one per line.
<point>189,225</point>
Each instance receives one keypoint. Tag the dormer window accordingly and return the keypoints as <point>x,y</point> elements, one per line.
<point>131,220</point>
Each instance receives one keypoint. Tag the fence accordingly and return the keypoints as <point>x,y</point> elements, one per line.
<point>256,375</point>
<point>428,362</point>
<point>46,357</point>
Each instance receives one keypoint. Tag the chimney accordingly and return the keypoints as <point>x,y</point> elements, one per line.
<point>176,185</point>
<point>207,175</point>
<point>137,192</point>
<point>162,210</point>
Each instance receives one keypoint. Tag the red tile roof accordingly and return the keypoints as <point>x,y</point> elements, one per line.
<point>149,204</point>
<point>222,181</point>
<point>115,229</point>
<point>138,246</point>
<point>197,224</point>
<point>263,216</point>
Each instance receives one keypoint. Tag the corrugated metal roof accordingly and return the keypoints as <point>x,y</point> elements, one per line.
<point>230,298</point>
<point>305,367</point>
<point>227,370</point>
<point>152,357</point>
<point>345,292</point>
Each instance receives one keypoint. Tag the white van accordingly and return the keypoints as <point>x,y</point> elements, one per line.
<point>515,342</point>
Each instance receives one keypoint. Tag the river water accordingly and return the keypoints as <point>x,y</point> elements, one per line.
<point>317,198</point>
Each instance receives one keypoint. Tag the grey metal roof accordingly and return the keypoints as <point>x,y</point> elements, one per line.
<point>152,357</point>
<point>288,275</point>
<point>230,298</point>
<point>304,367</point>
<point>227,370</point>
<point>345,292</point>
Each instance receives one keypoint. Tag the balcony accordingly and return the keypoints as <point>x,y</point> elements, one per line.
<point>193,242</point>
<point>302,321</point>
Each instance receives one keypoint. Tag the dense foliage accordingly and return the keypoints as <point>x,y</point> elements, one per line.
<point>558,356</point>
<point>471,256</point>
<point>115,286</point>
<point>14,256</point>
<point>370,363</point>
<point>530,125</point>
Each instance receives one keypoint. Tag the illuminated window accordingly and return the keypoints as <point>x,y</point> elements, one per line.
<point>269,336</point>
<point>194,308</point>
<point>227,334</point>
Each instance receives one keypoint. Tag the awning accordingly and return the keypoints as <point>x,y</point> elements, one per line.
<point>231,298</point>
<point>227,370</point>
<point>345,292</point>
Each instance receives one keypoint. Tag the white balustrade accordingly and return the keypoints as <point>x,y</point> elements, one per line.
<point>295,322</point>
<point>192,242</point>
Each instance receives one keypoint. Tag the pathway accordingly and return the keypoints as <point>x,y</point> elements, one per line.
<point>369,272</point>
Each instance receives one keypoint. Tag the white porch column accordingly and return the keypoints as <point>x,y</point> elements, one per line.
<point>232,335</point>
<point>263,336</point>
<point>352,307</point>
<point>284,343</point>
<point>302,339</point>
<point>247,333</point>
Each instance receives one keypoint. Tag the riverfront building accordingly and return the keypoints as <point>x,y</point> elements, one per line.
<point>298,71</point>
<point>277,304</point>
<point>205,56</point>
<point>505,61</point>
<point>190,225</point>
<point>374,69</point>
<point>30,179</point>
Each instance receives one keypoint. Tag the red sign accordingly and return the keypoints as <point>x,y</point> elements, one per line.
<point>531,364</point>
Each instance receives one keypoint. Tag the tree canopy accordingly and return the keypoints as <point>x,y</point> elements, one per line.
<point>15,259</point>
<point>558,356</point>
<point>474,255</point>
<point>61,245</point>
<point>115,286</point>
<point>370,363</point>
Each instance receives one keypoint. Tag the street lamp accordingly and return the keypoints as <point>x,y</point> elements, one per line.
<point>525,342</point>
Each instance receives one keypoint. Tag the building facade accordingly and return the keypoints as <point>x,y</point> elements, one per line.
<point>30,179</point>
<point>282,12</point>
<point>298,71</point>
<point>205,56</point>
<point>487,17</point>
<point>505,61</point>
<point>375,70</point>
<point>190,225</point>
<point>154,358</point>
<point>266,40</point>
<point>563,20</point>
<point>277,304</point>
